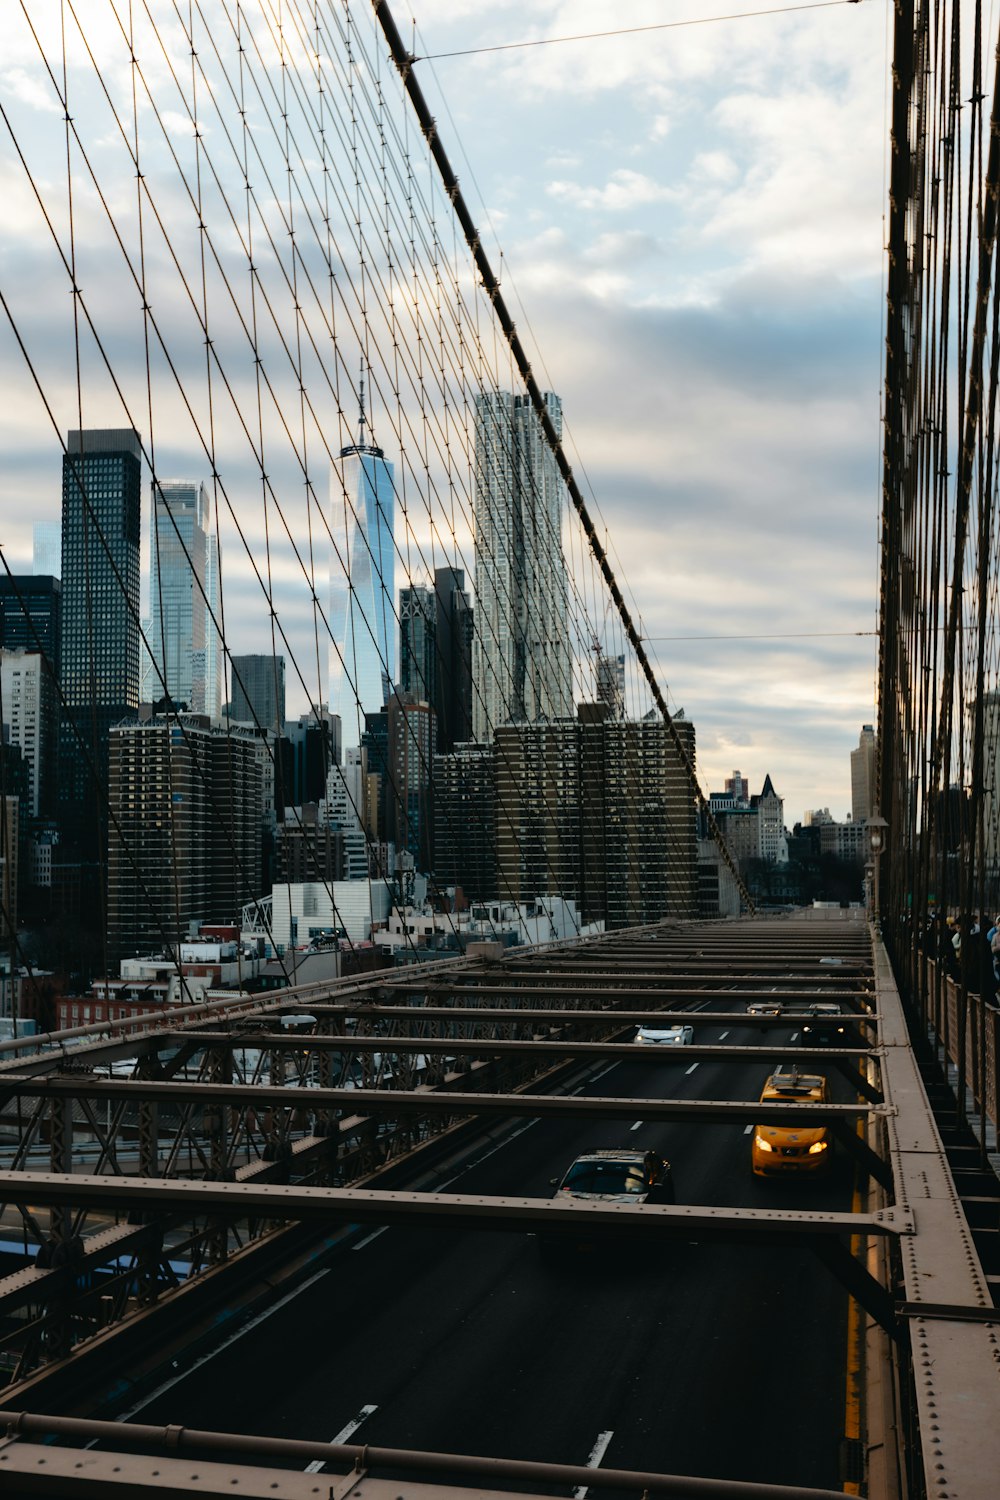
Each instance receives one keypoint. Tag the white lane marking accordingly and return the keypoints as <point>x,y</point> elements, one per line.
<point>793,1036</point>
<point>723,1035</point>
<point>485,1157</point>
<point>704,1005</point>
<point>691,1068</point>
<point>748,1130</point>
<point>342,1436</point>
<point>598,1076</point>
<point>253,1323</point>
<point>597,1452</point>
<point>369,1237</point>
<point>636,1125</point>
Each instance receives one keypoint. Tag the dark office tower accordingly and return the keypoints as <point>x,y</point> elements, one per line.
<point>418,659</point>
<point>308,748</point>
<point>465,821</point>
<point>258,692</point>
<point>453,700</point>
<point>378,812</point>
<point>30,615</point>
<point>412,740</point>
<point>99,635</point>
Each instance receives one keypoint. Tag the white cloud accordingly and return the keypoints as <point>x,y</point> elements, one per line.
<point>624,190</point>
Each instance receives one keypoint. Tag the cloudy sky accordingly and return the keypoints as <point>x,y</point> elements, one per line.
<point>693,222</point>
<point>689,226</point>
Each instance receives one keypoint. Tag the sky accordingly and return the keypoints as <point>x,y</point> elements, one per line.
<point>689,228</point>
<point>693,221</point>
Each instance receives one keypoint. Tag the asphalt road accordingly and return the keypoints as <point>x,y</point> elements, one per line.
<point>722,1360</point>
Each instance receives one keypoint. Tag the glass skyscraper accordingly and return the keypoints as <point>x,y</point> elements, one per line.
<point>46,549</point>
<point>522,661</point>
<point>178,585</point>
<point>362,618</point>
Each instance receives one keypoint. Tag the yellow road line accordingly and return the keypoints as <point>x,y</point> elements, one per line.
<point>855,1348</point>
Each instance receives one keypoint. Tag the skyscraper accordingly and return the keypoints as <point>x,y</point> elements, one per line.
<point>418,658</point>
<point>611,684</point>
<point>30,615</point>
<point>454,636</point>
<point>213,635</point>
<point>99,634</point>
<point>258,692</point>
<point>362,592</point>
<point>863,775</point>
<point>522,660</point>
<point>177,590</point>
<point>412,742</point>
<point>28,720</point>
<point>46,549</point>
<point>598,809</point>
<point>185,840</point>
<point>435,651</point>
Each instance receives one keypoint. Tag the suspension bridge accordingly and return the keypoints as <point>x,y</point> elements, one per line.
<point>280,1203</point>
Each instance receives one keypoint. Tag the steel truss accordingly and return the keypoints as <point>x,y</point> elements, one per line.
<point>230,1128</point>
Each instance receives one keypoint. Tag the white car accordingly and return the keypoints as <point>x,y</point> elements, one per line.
<point>666,1036</point>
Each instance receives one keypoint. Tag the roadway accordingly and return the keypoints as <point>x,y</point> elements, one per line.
<point>720,1360</point>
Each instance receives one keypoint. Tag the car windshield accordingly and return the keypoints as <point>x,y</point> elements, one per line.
<point>605,1177</point>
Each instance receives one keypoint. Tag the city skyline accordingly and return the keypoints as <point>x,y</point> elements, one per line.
<point>678,291</point>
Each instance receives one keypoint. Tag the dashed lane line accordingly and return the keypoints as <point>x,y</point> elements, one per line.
<point>342,1436</point>
<point>636,1125</point>
<point>691,1068</point>
<point>794,1037</point>
<point>369,1237</point>
<point>268,1312</point>
<point>597,1452</point>
<point>748,1130</point>
<point>723,1035</point>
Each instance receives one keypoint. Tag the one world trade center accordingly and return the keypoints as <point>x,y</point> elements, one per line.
<point>362,619</point>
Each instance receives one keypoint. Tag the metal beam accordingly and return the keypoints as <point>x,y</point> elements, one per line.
<point>235,1200</point>
<point>420,1102</point>
<point>462,1047</point>
<point>610,1016</point>
<point>39,1468</point>
<point>956,1371</point>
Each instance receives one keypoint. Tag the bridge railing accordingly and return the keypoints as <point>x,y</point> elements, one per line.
<point>965,1027</point>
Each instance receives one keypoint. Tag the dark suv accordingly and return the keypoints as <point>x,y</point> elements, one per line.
<point>824,1025</point>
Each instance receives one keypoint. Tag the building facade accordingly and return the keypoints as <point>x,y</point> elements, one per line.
<point>362,615</point>
<point>522,658</point>
<point>182,635</point>
<point>412,726</point>
<point>599,810</point>
<point>465,821</point>
<point>186,832</point>
<point>99,624</point>
<point>863,775</point>
<point>28,720</point>
<point>46,549</point>
<point>258,692</point>
<point>454,634</point>
<point>31,615</point>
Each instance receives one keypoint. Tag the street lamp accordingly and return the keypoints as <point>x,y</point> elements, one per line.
<point>876,827</point>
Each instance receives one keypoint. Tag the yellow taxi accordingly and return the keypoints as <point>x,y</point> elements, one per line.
<point>781,1149</point>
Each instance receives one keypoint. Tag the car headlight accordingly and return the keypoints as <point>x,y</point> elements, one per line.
<point>761,1144</point>
<point>817,1147</point>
